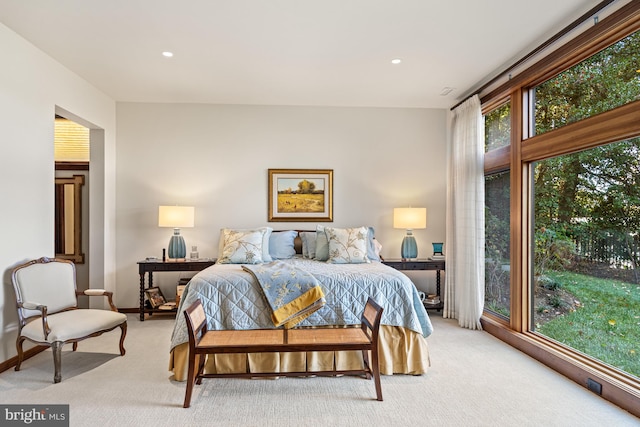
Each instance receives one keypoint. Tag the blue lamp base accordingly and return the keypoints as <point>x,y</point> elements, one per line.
<point>177,248</point>
<point>409,247</point>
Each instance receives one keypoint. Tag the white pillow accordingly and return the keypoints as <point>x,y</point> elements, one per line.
<point>242,247</point>
<point>266,257</point>
<point>347,245</point>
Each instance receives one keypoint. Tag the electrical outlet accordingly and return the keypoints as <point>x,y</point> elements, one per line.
<point>594,386</point>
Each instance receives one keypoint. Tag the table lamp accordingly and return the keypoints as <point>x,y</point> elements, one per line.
<point>176,217</point>
<point>409,219</point>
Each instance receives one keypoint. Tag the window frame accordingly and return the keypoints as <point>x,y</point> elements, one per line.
<point>613,125</point>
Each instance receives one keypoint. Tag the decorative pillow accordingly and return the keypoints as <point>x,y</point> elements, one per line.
<point>378,248</point>
<point>266,257</point>
<point>305,247</point>
<point>347,245</point>
<point>373,253</point>
<point>242,247</point>
<point>308,244</point>
<point>281,244</point>
<point>322,244</point>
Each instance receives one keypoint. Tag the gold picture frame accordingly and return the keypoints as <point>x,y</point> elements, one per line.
<point>300,195</point>
<point>155,297</point>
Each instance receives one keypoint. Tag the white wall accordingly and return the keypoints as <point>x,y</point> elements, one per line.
<point>213,157</point>
<point>216,158</point>
<point>32,88</point>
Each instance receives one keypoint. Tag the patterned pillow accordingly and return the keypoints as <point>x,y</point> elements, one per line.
<point>242,247</point>
<point>266,257</point>
<point>347,245</point>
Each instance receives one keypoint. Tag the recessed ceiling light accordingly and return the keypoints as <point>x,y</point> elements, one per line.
<point>167,54</point>
<point>396,61</point>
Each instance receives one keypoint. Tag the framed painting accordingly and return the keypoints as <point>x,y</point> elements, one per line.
<point>155,297</point>
<point>301,195</point>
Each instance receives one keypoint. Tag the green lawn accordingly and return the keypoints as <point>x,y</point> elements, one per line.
<point>606,325</point>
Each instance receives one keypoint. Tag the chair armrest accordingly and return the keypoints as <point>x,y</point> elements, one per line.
<point>99,292</point>
<point>43,309</point>
<point>92,292</point>
<point>31,306</point>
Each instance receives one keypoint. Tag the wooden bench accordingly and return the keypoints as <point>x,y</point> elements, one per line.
<point>203,342</point>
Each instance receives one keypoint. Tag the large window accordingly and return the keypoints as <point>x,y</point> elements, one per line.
<point>497,292</point>
<point>569,176</point>
<point>497,128</point>
<point>606,80</point>
<point>585,289</point>
<point>497,134</point>
<point>586,284</point>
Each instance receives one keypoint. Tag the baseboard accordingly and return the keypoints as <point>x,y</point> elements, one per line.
<point>8,364</point>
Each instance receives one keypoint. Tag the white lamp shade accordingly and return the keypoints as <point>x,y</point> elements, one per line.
<point>176,216</point>
<point>410,218</point>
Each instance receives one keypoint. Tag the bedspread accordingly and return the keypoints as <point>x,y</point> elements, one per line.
<point>292,293</point>
<point>233,299</point>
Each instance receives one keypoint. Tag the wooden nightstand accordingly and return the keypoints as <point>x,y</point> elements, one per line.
<point>152,266</point>
<point>421,264</point>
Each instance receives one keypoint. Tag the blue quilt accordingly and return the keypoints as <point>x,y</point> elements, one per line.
<point>233,299</point>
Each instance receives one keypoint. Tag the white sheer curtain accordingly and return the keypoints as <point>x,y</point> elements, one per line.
<point>464,283</point>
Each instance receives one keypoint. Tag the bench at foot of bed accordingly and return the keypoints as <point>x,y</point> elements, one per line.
<point>203,342</point>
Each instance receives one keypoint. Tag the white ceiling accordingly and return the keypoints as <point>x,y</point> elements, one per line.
<point>288,52</point>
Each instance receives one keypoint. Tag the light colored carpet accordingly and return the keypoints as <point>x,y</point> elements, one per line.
<point>474,380</point>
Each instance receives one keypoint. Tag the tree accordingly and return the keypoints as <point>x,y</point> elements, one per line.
<point>306,187</point>
<point>597,189</point>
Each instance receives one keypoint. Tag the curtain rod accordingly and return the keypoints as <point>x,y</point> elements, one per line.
<point>543,46</point>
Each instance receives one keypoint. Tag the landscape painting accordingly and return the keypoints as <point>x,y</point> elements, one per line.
<point>300,195</point>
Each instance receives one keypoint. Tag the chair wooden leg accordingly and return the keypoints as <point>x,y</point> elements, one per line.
<point>56,348</point>
<point>367,365</point>
<point>375,367</point>
<point>75,346</point>
<point>19,342</point>
<point>123,328</point>
<point>191,378</point>
<point>202,359</point>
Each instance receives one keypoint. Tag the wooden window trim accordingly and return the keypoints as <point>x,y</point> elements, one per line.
<point>611,126</point>
<point>497,160</point>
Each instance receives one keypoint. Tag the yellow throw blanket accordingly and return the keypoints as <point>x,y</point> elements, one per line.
<point>292,293</point>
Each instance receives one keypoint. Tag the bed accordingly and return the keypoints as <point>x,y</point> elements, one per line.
<point>233,299</point>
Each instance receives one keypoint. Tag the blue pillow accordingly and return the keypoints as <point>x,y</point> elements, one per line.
<point>322,244</point>
<point>371,247</point>
<point>281,244</point>
<point>308,244</point>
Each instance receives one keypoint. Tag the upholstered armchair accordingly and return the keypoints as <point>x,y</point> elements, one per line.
<point>48,313</point>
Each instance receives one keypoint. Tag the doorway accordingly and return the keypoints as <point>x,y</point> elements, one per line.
<point>72,160</point>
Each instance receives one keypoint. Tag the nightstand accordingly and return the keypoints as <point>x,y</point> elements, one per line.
<point>151,266</point>
<point>421,264</point>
